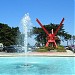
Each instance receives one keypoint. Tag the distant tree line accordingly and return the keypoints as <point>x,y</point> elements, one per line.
<point>13,36</point>
<point>61,35</point>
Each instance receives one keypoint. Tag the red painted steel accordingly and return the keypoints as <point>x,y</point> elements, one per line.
<point>59,26</point>
<point>51,36</point>
<point>42,27</point>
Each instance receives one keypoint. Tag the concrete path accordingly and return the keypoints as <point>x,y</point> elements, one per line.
<point>69,52</point>
<point>50,54</point>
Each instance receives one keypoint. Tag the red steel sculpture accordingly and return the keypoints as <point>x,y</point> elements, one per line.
<point>51,36</point>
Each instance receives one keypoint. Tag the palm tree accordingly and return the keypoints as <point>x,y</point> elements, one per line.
<point>67,37</point>
<point>73,38</point>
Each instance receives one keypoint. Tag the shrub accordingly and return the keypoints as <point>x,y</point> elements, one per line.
<point>50,48</point>
<point>61,49</point>
<point>41,50</point>
<point>45,49</point>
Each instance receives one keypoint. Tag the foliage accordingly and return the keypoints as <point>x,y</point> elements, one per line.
<point>44,49</point>
<point>41,35</point>
<point>50,48</point>
<point>73,38</point>
<point>61,49</point>
<point>8,34</point>
<point>47,49</point>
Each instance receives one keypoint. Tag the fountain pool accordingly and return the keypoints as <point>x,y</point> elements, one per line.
<point>37,65</point>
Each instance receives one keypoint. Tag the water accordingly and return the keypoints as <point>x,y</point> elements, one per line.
<point>37,66</point>
<point>26,22</point>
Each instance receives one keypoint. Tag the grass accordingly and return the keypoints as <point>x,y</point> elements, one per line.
<point>47,49</point>
<point>61,49</point>
<point>42,49</point>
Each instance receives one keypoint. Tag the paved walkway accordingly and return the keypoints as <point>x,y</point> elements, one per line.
<point>69,51</point>
<point>53,54</point>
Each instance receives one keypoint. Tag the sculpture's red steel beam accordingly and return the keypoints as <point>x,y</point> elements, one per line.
<point>59,26</point>
<point>42,27</point>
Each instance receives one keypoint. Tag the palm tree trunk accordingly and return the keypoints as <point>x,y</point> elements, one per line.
<point>67,42</point>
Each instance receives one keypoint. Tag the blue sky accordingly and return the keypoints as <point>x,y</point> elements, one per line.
<point>47,11</point>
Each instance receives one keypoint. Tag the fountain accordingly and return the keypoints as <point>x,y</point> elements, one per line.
<point>27,27</point>
<point>35,65</point>
<point>26,22</point>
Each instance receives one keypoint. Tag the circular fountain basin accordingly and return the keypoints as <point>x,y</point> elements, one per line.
<point>37,65</point>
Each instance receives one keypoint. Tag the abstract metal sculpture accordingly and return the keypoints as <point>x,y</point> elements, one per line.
<point>51,36</point>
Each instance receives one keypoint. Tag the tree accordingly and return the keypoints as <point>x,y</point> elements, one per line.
<point>41,35</point>
<point>8,35</point>
<point>73,39</point>
<point>67,37</point>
